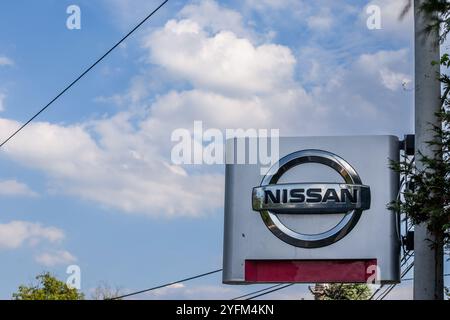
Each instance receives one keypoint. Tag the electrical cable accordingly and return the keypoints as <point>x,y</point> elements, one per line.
<point>403,261</point>
<point>255,292</point>
<point>387,291</point>
<point>409,279</point>
<point>167,284</point>
<point>406,256</point>
<point>83,74</point>
<point>390,287</point>
<point>273,290</point>
<point>404,273</point>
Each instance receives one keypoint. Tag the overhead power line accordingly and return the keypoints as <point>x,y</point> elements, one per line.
<point>392,286</point>
<point>409,279</point>
<point>270,291</point>
<point>403,261</point>
<point>166,285</point>
<point>83,73</point>
<point>258,291</point>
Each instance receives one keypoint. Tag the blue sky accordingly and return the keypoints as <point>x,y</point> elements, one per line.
<point>91,182</point>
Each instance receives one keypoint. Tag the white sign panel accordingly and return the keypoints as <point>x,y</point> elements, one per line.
<point>319,214</point>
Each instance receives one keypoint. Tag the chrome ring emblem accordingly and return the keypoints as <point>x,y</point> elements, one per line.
<point>350,198</point>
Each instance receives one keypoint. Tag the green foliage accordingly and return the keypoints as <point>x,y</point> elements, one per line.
<point>427,196</point>
<point>439,11</point>
<point>346,291</point>
<point>47,288</point>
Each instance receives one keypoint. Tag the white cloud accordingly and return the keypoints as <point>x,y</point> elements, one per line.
<point>222,62</point>
<point>270,4</point>
<point>54,258</point>
<point>15,188</point>
<point>2,101</point>
<point>124,170</point>
<point>123,162</point>
<point>212,17</point>
<point>5,61</point>
<point>167,291</point>
<point>15,233</point>
<point>320,22</point>
<point>354,91</point>
<point>387,67</point>
<point>391,24</point>
<point>139,89</point>
<point>392,80</point>
<point>127,166</point>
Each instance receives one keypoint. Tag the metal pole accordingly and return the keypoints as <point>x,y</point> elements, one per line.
<point>428,261</point>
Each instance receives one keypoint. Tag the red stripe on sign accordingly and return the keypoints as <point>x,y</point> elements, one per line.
<point>309,271</point>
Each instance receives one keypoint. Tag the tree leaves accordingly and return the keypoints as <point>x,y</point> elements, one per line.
<point>47,288</point>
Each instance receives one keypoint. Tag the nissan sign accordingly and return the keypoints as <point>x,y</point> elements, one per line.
<point>351,198</point>
<point>319,214</point>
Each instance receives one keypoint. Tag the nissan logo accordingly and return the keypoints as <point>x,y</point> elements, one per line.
<point>350,198</point>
